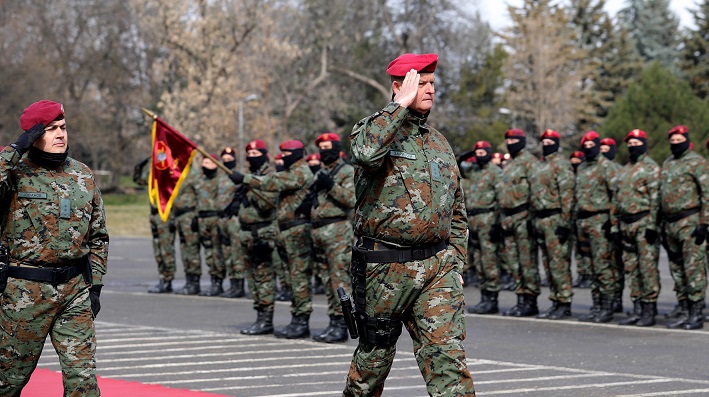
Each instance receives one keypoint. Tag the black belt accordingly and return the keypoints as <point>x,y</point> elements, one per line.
<point>287,225</point>
<point>632,218</point>
<point>180,211</point>
<point>318,223</point>
<point>680,215</point>
<point>515,210</point>
<point>53,275</point>
<point>389,254</point>
<point>252,227</point>
<point>478,211</point>
<point>541,214</point>
<point>588,214</point>
<point>209,214</point>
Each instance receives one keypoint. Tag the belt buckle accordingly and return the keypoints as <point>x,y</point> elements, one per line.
<point>418,254</point>
<point>57,272</point>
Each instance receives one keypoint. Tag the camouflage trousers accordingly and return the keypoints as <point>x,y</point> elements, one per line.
<point>211,241</point>
<point>603,268</point>
<point>189,242</point>
<point>297,249</point>
<point>336,241</point>
<point>428,297</point>
<point>556,258</point>
<point>521,252</point>
<point>687,259</point>
<point>164,245</point>
<point>257,248</point>
<point>280,263</point>
<point>582,254</point>
<point>31,311</point>
<point>484,251</point>
<point>229,228</point>
<point>641,261</point>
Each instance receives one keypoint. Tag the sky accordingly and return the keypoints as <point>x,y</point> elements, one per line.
<point>495,12</point>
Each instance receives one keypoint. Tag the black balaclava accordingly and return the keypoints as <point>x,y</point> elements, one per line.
<point>209,173</point>
<point>315,168</point>
<point>255,163</point>
<point>515,148</point>
<point>230,164</point>
<point>610,154</point>
<point>549,149</point>
<point>678,149</point>
<point>280,168</point>
<point>329,156</point>
<point>576,166</point>
<point>482,160</point>
<point>296,154</point>
<point>637,151</point>
<point>46,159</point>
<point>592,153</point>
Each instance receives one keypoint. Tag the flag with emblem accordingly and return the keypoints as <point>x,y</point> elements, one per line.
<point>171,159</point>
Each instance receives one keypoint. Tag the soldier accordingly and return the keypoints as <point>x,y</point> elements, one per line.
<point>596,224</point>
<point>637,207</point>
<point>280,258</point>
<point>57,248</point>
<point>257,215</point>
<point>552,188</point>
<point>608,148</point>
<point>514,198</point>
<point>483,223</point>
<point>292,185</point>
<point>187,223</point>
<point>334,199</point>
<point>684,194</point>
<point>229,230</point>
<point>163,249</point>
<point>318,256</point>
<point>410,224</point>
<point>582,251</point>
<point>497,159</point>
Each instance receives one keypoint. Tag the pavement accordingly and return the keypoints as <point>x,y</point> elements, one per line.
<point>192,342</point>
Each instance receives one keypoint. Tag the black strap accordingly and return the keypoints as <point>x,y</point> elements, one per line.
<point>389,254</point>
<point>515,210</point>
<point>632,218</point>
<point>478,211</point>
<point>587,214</point>
<point>318,223</point>
<point>287,225</point>
<point>53,275</point>
<point>541,214</point>
<point>252,227</point>
<point>209,214</point>
<point>671,218</point>
<point>180,211</point>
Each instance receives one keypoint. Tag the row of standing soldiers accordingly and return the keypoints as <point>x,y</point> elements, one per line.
<point>617,217</point>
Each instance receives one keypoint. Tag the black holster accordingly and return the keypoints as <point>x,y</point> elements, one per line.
<point>4,264</point>
<point>87,273</point>
<point>348,313</point>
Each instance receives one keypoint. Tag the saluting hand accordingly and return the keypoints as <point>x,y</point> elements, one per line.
<point>409,89</point>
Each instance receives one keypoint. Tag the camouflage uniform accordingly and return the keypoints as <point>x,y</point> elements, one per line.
<point>163,243</point>
<point>229,229</point>
<point>408,195</point>
<point>212,194</point>
<point>617,254</point>
<point>186,221</point>
<point>65,233</point>
<point>552,187</point>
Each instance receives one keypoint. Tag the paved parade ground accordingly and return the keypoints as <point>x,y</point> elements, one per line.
<point>192,342</point>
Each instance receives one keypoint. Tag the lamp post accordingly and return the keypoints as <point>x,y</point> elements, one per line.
<point>249,98</point>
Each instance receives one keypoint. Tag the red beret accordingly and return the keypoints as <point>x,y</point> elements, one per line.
<point>279,156</point>
<point>314,156</point>
<point>228,150</point>
<point>635,134</point>
<point>608,141</point>
<point>589,136</point>
<point>423,63</point>
<point>514,133</point>
<point>678,129</point>
<point>256,144</point>
<point>482,145</point>
<point>293,144</point>
<point>497,155</point>
<point>578,154</point>
<point>40,112</point>
<point>549,134</point>
<point>326,137</point>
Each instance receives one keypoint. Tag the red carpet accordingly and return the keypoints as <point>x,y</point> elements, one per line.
<point>46,383</point>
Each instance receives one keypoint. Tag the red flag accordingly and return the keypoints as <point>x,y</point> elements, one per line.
<point>171,159</point>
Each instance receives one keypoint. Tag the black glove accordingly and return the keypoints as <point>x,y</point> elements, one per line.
<point>237,177</point>
<point>305,208</point>
<point>563,234</point>
<point>194,226</point>
<point>25,141</point>
<point>465,156</point>
<point>651,236</point>
<point>94,293</point>
<point>495,233</point>
<point>171,226</point>
<point>324,181</point>
<point>700,234</point>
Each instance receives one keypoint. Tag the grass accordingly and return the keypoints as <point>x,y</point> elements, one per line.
<point>127,214</point>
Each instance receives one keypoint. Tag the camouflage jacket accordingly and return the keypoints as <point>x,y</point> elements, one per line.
<point>407,182</point>
<point>213,194</point>
<point>552,186</point>
<point>258,205</point>
<point>53,216</point>
<point>513,188</point>
<point>595,186</point>
<point>685,185</point>
<point>480,186</point>
<point>639,188</point>
<point>291,184</point>
<point>339,200</point>
<point>187,196</point>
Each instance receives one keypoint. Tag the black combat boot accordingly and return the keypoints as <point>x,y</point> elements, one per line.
<point>526,307</point>
<point>321,336</point>
<point>339,331</point>
<point>563,311</point>
<point>487,304</point>
<point>297,329</point>
<point>696,318</point>
<point>236,288</point>
<point>163,286</point>
<point>191,285</point>
<point>263,324</point>
<point>515,308</point>
<point>284,295</point>
<point>215,289</point>
<point>548,312</point>
<point>618,302</point>
<point>680,309</point>
<point>606,313</point>
<point>634,316</point>
<point>647,317</point>
<point>595,309</point>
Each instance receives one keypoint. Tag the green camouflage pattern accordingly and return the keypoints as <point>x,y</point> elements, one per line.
<point>229,229</point>
<point>212,195</point>
<point>335,240</point>
<point>556,258</point>
<point>339,200</point>
<point>685,185</point>
<point>189,238</point>
<point>687,259</point>
<point>164,244</point>
<point>514,189</point>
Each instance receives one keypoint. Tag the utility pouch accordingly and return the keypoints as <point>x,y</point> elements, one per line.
<point>348,313</point>
<point>87,274</point>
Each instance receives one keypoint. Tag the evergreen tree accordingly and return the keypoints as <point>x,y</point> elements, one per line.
<point>694,60</point>
<point>655,29</point>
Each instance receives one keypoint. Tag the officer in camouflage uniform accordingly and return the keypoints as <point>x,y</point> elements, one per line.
<point>57,245</point>
<point>582,251</point>
<point>410,224</point>
<point>552,187</point>
<point>229,231</point>
<point>514,197</point>
<point>684,196</point>
<point>292,185</point>
<point>259,230</point>
<point>637,208</point>
<point>334,197</point>
<point>483,223</point>
<point>596,223</point>
<point>163,249</point>
<point>608,150</point>
<point>186,220</point>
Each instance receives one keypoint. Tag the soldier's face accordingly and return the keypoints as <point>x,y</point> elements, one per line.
<point>208,163</point>
<point>511,141</point>
<point>589,144</point>
<point>55,138</point>
<point>677,138</point>
<point>634,142</point>
<point>605,148</point>
<point>227,157</point>
<point>480,152</point>
<point>253,153</point>
<point>575,160</point>
<point>424,98</point>
<point>324,145</point>
<point>496,160</point>
<point>313,162</point>
<point>547,142</point>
